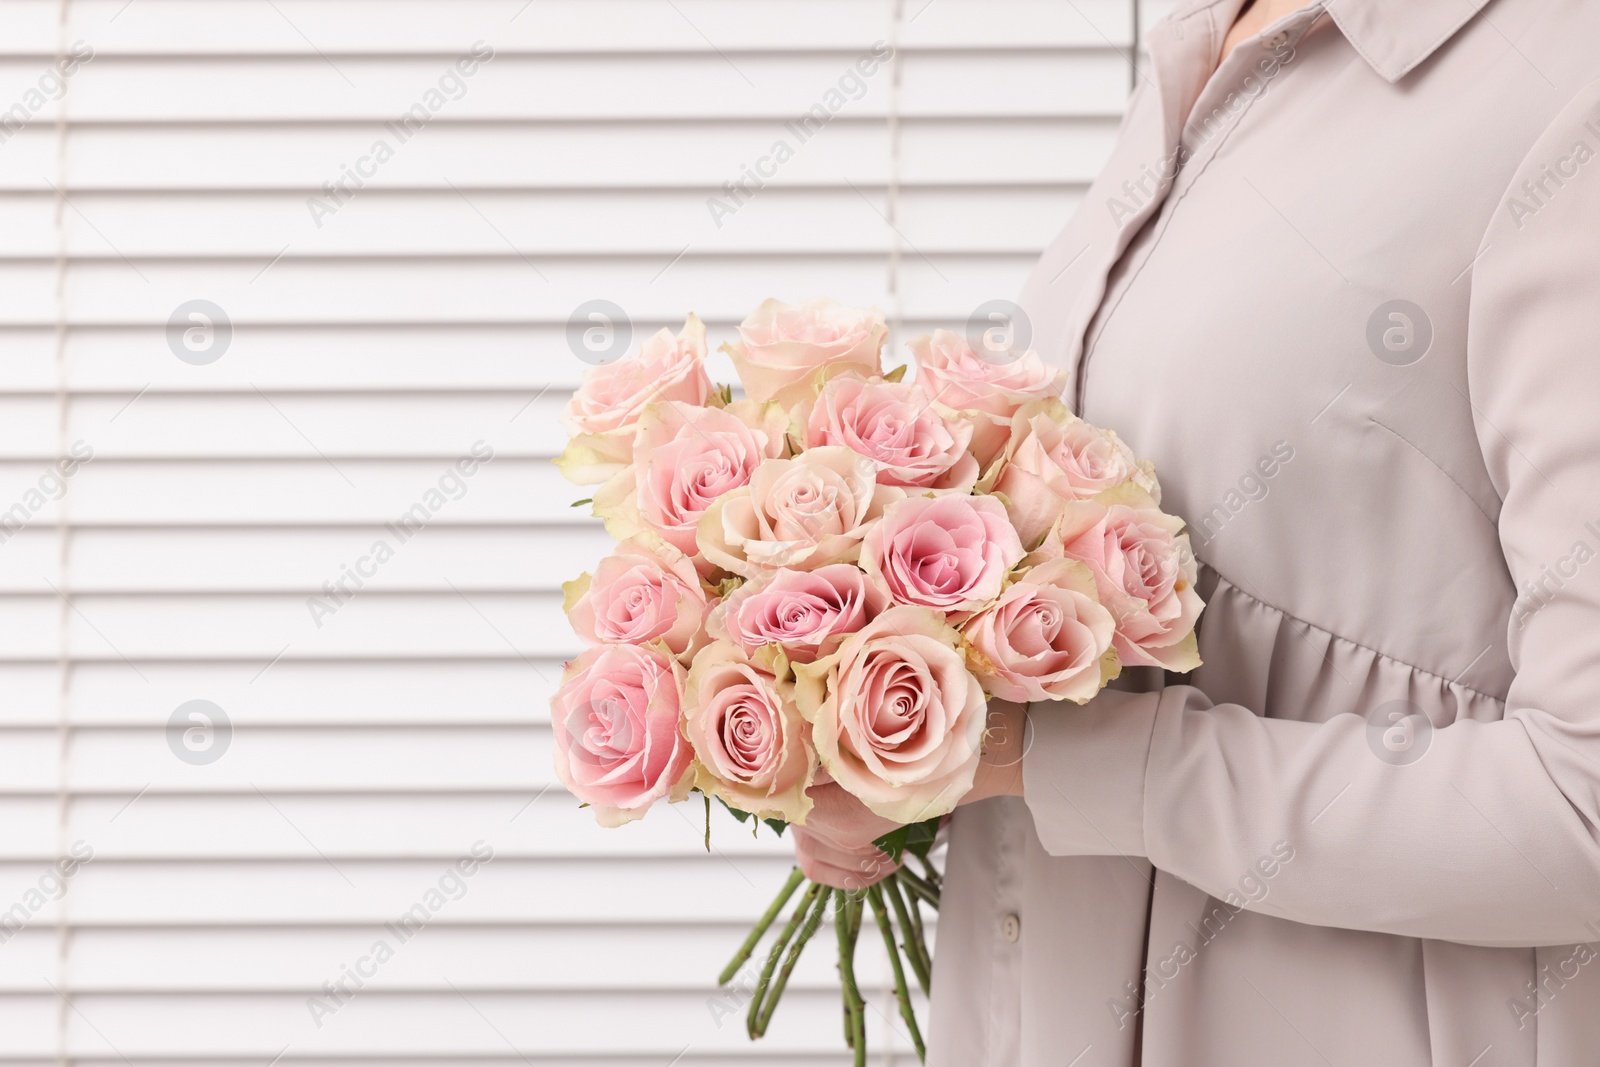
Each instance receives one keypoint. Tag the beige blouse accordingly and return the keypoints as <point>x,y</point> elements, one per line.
<point>1344,291</point>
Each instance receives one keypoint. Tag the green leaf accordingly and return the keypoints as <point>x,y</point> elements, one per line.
<point>893,843</point>
<point>920,837</point>
<point>777,826</point>
<point>581,503</point>
<point>735,812</point>
<point>916,839</point>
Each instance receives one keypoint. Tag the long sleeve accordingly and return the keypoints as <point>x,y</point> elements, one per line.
<point>1491,837</point>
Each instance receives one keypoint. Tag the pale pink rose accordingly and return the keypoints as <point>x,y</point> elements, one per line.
<point>753,746</point>
<point>895,715</point>
<point>893,425</point>
<point>799,513</point>
<point>1047,638</point>
<point>946,552</point>
<point>1145,572</point>
<point>986,390</point>
<point>781,348</point>
<point>687,458</point>
<point>1054,457</point>
<point>615,718</point>
<point>640,593</point>
<point>808,613</point>
<point>603,415</point>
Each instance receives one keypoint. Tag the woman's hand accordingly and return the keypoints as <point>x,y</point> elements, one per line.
<point>835,846</point>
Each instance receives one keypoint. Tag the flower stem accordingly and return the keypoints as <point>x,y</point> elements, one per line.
<point>931,873</point>
<point>857,905</point>
<point>901,992</point>
<point>921,936</point>
<point>910,938</point>
<point>775,955</point>
<point>929,895</point>
<point>846,903</point>
<point>818,896</point>
<point>762,924</point>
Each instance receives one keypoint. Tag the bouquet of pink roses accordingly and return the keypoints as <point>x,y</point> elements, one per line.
<point>828,576</point>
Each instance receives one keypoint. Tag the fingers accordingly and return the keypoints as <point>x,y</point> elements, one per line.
<point>842,819</point>
<point>840,866</point>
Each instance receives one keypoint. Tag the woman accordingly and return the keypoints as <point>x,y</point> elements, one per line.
<point>1341,282</point>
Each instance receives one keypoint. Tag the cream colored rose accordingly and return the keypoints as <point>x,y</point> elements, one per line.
<point>985,389</point>
<point>645,591</point>
<point>896,717</point>
<point>894,426</point>
<point>1048,637</point>
<point>798,513</point>
<point>781,348</point>
<point>603,415</point>
<point>688,458</point>
<point>752,744</point>
<point>1054,457</point>
<point>1145,572</point>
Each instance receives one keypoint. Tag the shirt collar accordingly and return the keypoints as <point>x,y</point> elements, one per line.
<point>1393,36</point>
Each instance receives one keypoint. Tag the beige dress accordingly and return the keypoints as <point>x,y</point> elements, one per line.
<point>1344,291</point>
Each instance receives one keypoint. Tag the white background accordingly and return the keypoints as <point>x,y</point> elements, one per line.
<point>367,354</point>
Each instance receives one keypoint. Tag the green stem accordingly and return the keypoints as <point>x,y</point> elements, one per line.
<point>916,951</point>
<point>932,874</point>
<point>859,1043</point>
<point>819,894</point>
<point>901,992</point>
<point>850,990</point>
<point>927,893</point>
<point>761,927</point>
<point>920,934</point>
<point>775,955</point>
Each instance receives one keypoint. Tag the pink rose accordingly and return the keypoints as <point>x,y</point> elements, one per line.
<point>1047,638</point>
<point>986,390</point>
<point>640,593</point>
<point>1145,572</point>
<point>1054,457</point>
<point>688,457</point>
<point>896,718</point>
<point>799,513</point>
<point>893,425</point>
<point>604,413</point>
<point>808,613</point>
<point>617,743</point>
<point>782,348</point>
<point>945,552</point>
<point>753,746</point>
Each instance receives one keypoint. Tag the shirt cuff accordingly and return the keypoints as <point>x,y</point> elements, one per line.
<point>1083,773</point>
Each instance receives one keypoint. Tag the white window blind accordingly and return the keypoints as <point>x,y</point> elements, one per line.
<point>244,346</point>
